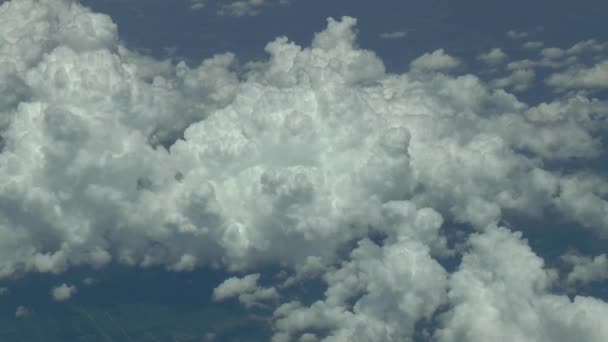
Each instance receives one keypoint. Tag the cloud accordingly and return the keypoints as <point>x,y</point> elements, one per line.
<point>240,8</point>
<point>552,53</point>
<point>4,291</point>
<point>21,312</point>
<point>246,289</point>
<point>579,76</point>
<point>502,290</point>
<point>493,57</point>
<point>393,35</point>
<point>586,269</point>
<point>519,80</point>
<point>587,46</point>
<point>296,160</point>
<point>247,7</point>
<point>198,4</point>
<point>63,292</point>
<point>533,45</point>
<point>438,60</point>
<point>517,35</point>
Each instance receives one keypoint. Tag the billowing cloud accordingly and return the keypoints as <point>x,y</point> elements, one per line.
<point>501,291</point>
<point>519,80</point>
<point>437,60</point>
<point>579,76</point>
<point>246,289</point>
<point>586,269</point>
<point>315,159</point>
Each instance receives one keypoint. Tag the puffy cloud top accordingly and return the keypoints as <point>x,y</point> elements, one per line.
<point>438,60</point>
<point>314,159</point>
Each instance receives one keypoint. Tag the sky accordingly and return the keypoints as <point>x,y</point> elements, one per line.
<point>290,170</point>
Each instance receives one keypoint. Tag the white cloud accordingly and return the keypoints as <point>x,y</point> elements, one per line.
<point>501,291</point>
<point>519,80</point>
<point>552,53</point>
<point>586,269</point>
<point>393,35</point>
<point>63,292</point>
<point>493,57</point>
<point>246,289</point>
<point>114,157</point>
<point>438,60</point>
<point>594,77</point>
<point>587,46</point>
<point>247,7</point>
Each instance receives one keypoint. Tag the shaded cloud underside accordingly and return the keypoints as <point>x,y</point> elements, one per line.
<point>112,156</point>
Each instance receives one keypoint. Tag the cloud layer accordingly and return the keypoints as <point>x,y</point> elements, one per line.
<point>315,160</point>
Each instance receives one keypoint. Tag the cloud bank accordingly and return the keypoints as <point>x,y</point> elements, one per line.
<point>316,160</point>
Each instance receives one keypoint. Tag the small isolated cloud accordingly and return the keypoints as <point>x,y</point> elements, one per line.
<point>198,4</point>
<point>438,60</point>
<point>393,35</point>
<point>89,281</point>
<point>517,35</point>
<point>21,311</point>
<point>581,77</point>
<point>239,8</point>
<point>246,289</point>
<point>493,57</point>
<point>533,45</point>
<point>63,292</point>
<point>552,53</point>
<point>4,291</point>
<point>247,7</point>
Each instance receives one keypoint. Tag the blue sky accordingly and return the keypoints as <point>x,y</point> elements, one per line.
<point>390,171</point>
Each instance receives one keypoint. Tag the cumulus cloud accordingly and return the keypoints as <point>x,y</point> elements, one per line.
<point>4,291</point>
<point>63,292</point>
<point>437,60</point>
<point>493,57</point>
<point>501,290</point>
<point>586,269</point>
<point>587,46</point>
<point>315,159</point>
<point>246,289</point>
<point>579,76</point>
<point>519,80</point>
